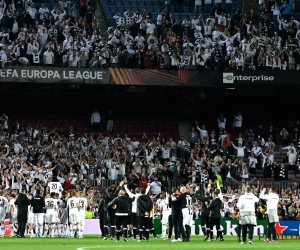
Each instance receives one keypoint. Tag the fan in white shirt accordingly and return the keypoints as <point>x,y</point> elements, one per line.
<point>203,132</point>
<point>48,57</point>
<point>216,34</point>
<point>150,27</point>
<point>74,60</point>
<point>44,12</point>
<point>140,40</point>
<point>112,173</point>
<point>32,11</point>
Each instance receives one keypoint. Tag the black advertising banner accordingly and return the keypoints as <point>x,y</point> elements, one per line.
<point>55,75</point>
<point>161,77</point>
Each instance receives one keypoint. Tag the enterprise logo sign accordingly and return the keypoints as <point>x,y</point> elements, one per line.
<point>228,77</point>
<point>231,78</point>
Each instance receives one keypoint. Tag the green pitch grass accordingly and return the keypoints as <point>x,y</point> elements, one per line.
<point>93,243</point>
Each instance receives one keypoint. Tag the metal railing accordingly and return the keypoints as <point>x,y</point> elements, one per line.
<point>176,183</point>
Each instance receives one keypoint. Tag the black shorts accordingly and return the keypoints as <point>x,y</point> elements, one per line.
<point>129,219</point>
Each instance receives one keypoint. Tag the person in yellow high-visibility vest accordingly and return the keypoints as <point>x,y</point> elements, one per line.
<point>110,121</point>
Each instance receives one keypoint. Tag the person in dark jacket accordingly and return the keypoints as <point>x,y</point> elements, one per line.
<point>22,203</point>
<point>109,217</point>
<point>120,204</point>
<point>205,213</point>
<point>276,170</point>
<point>102,214</point>
<point>170,218</point>
<point>186,215</point>
<point>38,205</point>
<point>176,211</point>
<point>215,217</point>
<point>144,207</point>
<point>283,175</point>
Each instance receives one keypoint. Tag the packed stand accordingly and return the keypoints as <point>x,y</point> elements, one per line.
<point>219,40</point>
<point>65,34</point>
<point>209,36</point>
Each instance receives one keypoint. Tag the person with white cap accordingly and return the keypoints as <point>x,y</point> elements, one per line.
<point>246,205</point>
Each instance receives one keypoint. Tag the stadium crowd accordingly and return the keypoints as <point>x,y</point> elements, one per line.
<point>69,35</point>
<point>32,157</point>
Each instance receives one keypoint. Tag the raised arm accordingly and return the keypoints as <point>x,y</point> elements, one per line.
<point>262,195</point>
<point>131,195</point>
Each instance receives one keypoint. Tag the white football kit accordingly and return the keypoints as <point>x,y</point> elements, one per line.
<point>51,207</point>
<point>187,213</point>
<point>166,211</point>
<point>30,217</point>
<point>55,187</point>
<point>3,208</point>
<point>72,205</point>
<point>83,206</point>
<point>14,212</point>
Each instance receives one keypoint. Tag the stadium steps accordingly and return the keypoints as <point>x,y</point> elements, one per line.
<point>250,5</point>
<point>100,17</point>
<point>133,126</point>
<point>185,128</point>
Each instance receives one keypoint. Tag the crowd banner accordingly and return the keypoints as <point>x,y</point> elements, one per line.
<point>229,227</point>
<point>161,77</point>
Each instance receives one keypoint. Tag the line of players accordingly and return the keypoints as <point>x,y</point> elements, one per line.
<point>48,216</point>
<point>129,216</point>
<point>136,213</point>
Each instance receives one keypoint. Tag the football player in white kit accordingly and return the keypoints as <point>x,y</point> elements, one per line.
<point>83,208</point>
<point>13,212</point>
<point>55,225</point>
<point>55,187</point>
<point>73,206</point>
<point>4,208</point>
<point>63,215</point>
<point>166,211</point>
<point>51,207</point>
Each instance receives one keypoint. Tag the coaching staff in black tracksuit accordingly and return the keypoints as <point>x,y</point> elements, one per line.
<point>38,206</point>
<point>22,203</point>
<point>101,213</point>
<point>215,216</point>
<point>144,207</point>
<point>120,204</point>
<point>109,213</point>
<point>176,212</point>
<point>205,213</point>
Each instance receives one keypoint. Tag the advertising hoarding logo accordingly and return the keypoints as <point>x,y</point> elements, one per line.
<point>228,77</point>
